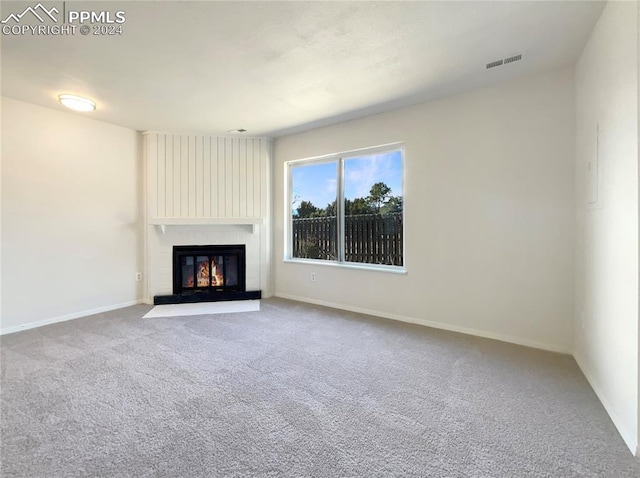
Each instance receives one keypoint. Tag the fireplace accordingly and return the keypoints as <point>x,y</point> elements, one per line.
<point>198,269</point>
<point>207,274</point>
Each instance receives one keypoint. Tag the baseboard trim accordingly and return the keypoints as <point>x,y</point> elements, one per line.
<point>64,318</point>
<point>429,323</point>
<point>627,437</point>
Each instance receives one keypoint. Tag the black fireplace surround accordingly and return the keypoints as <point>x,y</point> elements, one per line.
<point>208,274</point>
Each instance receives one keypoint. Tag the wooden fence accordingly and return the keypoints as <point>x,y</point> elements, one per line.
<point>368,238</point>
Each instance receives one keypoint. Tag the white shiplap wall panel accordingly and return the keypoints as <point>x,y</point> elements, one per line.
<point>152,174</point>
<point>250,159</point>
<point>191,174</point>
<point>206,176</point>
<point>184,176</point>
<point>229,178</point>
<point>263,198</point>
<point>260,167</point>
<point>235,199</point>
<point>177,174</point>
<point>168,171</point>
<point>161,166</point>
<point>221,182</point>
<point>199,177</point>
<point>242,180</point>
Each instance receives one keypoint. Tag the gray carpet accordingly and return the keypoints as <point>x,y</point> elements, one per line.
<point>293,391</point>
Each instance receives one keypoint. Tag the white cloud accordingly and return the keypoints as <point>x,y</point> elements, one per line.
<point>362,173</point>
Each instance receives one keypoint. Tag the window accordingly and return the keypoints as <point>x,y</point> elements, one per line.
<point>347,208</point>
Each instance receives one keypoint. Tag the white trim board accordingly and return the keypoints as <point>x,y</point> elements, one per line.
<point>429,323</point>
<point>203,308</point>
<point>64,318</point>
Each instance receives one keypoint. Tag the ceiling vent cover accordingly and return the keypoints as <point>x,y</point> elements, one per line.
<point>505,61</point>
<point>493,64</point>
<point>511,59</point>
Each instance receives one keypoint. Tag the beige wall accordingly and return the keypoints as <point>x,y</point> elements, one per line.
<point>489,209</point>
<point>606,329</point>
<point>70,215</point>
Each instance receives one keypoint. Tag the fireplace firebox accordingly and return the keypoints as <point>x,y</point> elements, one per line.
<point>207,274</point>
<point>198,269</point>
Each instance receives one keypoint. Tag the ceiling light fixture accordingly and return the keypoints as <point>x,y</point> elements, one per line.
<point>239,130</point>
<point>77,103</point>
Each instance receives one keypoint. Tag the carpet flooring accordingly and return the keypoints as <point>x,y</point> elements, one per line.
<point>293,390</point>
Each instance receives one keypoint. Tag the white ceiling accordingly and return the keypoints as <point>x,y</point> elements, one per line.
<point>281,67</point>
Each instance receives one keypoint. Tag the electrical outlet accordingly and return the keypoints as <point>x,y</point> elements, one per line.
<point>313,277</point>
<point>138,276</point>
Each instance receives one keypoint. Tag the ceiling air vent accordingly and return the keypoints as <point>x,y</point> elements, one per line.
<point>511,59</point>
<point>506,61</point>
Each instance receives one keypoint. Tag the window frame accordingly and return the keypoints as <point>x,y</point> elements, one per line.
<point>340,158</point>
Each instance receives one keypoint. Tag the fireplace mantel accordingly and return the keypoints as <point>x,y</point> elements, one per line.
<point>162,222</point>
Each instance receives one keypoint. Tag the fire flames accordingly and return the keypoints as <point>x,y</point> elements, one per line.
<point>203,274</point>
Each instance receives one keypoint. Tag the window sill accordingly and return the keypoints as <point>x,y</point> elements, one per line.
<point>348,265</point>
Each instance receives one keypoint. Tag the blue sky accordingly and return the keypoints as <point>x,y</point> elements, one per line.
<point>317,182</point>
